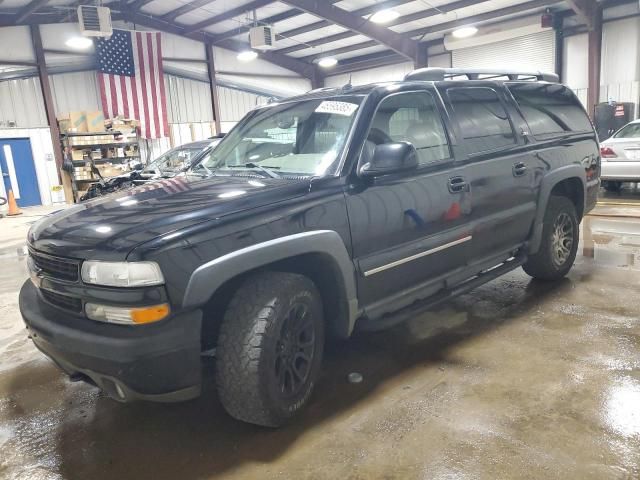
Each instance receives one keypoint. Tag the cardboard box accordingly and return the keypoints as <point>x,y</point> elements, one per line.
<point>95,121</point>
<point>77,155</point>
<point>78,122</point>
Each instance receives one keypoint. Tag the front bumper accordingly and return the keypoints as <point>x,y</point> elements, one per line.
<point>158,362</point>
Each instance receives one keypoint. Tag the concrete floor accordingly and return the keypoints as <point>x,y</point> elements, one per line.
<point>518,379</point>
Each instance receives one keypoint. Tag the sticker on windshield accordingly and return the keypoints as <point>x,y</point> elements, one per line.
<point>337,108</point>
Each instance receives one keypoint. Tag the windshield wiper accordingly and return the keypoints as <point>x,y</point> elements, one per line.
<point>266,170</point>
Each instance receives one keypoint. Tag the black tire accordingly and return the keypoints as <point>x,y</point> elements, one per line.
<point>257,343</point>
<point>614,187</point>
<point>558,248</point>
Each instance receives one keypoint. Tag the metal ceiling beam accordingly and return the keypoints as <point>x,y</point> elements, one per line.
<point>301,68</point>
<point>186,8</point>
<point>397,42</point>
<point>364,11</point>
<point>361,12</point>
<point>442,27</point>
<point>378,59</point>
<point>482,17</point>
<point>585,10</point>
<point>138,4</point>
<point>28,9</point>
<point>228,15</point>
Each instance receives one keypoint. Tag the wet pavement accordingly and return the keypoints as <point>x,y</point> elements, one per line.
<point>518,379</point>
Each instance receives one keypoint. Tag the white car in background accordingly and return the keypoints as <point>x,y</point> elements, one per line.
<point>620,156</point>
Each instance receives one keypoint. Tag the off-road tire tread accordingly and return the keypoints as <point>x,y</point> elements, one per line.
<point>540,265</point>
<point>242,336</point>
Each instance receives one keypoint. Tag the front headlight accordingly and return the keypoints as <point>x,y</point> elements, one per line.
<point>122,274</point>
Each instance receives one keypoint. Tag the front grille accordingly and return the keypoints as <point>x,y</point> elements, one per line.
<point>62,301</point>
<point>56,267</point>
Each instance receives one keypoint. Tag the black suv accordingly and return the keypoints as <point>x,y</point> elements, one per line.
<point>341,209</point>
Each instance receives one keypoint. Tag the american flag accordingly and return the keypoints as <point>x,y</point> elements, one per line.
<point>131,80</point>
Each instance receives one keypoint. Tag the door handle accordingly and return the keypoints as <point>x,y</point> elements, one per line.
<point>458,184</point>
<point>519,169</point>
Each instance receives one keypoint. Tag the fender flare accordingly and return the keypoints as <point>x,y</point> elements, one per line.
<point>549,181</point>
<point>207,278</point>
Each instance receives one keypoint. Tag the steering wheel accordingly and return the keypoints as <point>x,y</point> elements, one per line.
<point>379,137</point>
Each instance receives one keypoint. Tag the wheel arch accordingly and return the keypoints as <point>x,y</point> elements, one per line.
<point>568,181</point>
<point>321,255</point>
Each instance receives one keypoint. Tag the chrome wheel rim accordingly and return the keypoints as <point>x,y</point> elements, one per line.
<point>295,350</point>
<point>562,239</point>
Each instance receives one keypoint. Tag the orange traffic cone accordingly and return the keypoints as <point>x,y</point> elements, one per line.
<point>13,206</point>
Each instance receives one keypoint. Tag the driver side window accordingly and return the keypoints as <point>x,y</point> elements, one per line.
<point>411,117</point>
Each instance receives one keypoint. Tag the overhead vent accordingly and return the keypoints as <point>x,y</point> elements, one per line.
<point>95,21</point>
<point>262,37</point>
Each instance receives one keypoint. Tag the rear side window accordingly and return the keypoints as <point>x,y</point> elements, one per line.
<point>482,118</point>
<point>550,109</point>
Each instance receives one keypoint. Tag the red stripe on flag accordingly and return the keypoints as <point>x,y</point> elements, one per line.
<point>114,95</point>
<point>154,85</point>
<point>134,93</point>
<point>103,95</point>
<point>143,83</point>
<point>125,96</point>
<point>163,95</point>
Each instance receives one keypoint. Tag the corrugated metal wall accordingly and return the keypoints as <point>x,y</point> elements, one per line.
<point>187,100</point>
<point>21,103</point>
<point>529,52</point>
<point>75,91</point>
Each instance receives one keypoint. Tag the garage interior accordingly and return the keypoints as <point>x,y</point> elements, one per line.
<point>516,379</point>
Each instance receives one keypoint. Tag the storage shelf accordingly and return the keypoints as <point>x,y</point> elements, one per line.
<point>102,160</point>
<point>86,134</point>
<point>104,145</point>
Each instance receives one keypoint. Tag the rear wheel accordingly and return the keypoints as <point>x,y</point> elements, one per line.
<point>270,348</point>
<point>559,244</point>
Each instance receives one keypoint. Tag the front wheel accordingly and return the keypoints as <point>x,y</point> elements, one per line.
<point>270,348</point>
<point>559,244</point>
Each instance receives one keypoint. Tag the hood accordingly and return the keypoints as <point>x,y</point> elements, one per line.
<point>110,227</point>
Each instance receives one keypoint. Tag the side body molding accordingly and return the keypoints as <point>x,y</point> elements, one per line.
<point>207,278</point>
<point>548,182</point>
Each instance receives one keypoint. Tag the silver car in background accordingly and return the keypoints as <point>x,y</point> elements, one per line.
<point>620,155</point>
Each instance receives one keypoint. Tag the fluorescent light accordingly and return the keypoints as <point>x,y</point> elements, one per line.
<point>327,62</point>
<point>465,32</point>
<point>384,16</point>
<point>81,43</point>
<point>247,56</point>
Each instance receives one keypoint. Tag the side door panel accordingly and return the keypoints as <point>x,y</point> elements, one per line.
<point>502,170</point>
<point>407,229</point>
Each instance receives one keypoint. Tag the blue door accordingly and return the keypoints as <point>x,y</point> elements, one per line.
<point>19,171</point>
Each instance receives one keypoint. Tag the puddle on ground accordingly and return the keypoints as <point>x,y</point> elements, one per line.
<point>611,242</point>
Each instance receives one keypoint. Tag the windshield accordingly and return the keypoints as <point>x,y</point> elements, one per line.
<point>295,138</point>
<point>175,160</point>
<point>629,131</point>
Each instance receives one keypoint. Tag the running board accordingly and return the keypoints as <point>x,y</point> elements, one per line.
<point>416,308</point>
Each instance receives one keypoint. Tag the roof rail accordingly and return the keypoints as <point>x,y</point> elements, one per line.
<point>434,74</point>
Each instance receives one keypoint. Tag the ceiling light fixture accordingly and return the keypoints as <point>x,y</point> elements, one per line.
<point>327,62</point>
<point>384,16</point>
<point>247,56</point>
<point>80,43</point>
<point>465,32</point>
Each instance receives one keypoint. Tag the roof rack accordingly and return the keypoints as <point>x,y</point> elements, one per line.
<point>434,74</point>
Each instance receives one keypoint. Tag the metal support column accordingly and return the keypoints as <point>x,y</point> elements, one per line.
<point>595,56</point>
<point>213,85</point>
<point>48,98</point>
<point>558,29</point>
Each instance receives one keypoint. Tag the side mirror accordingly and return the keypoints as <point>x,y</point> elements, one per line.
<point>138,166</point>
<point>390,158</point>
